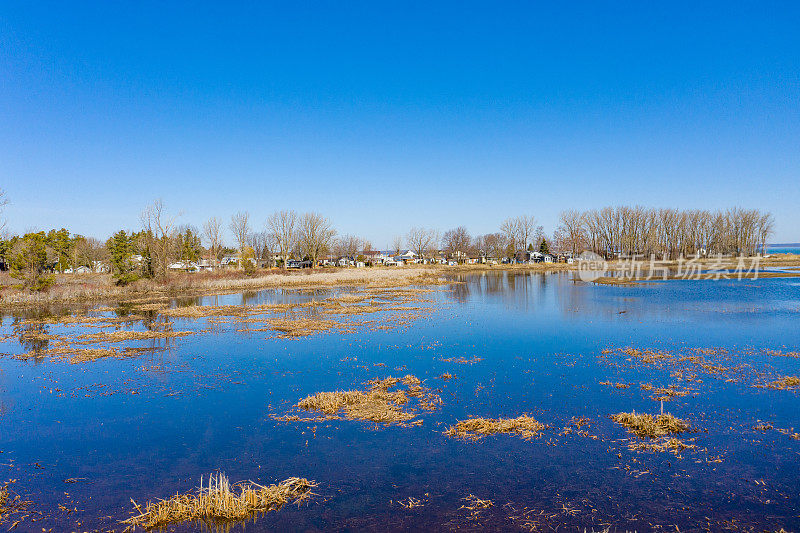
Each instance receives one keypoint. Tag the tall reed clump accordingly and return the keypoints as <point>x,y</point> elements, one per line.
<point>221,502</point>
<point>648,426</point>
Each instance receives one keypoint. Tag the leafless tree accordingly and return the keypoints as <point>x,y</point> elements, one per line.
<point>457,242</point>
<point>3,204</point>
<point>348,246</point>
<point>667,233</point>
<point>509,229</point>
<point>527,231</point>
<point>159,228</point>
<point>240,227</point>
<point>397,244</point>
<point>212,231</point>
<point>573,230</point>
<point>315,235</point>
<point>260,243</point>
<point>282,226</point>
<point>421,240</point>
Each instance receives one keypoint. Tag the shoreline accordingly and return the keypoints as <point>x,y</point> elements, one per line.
<point>89,288</point>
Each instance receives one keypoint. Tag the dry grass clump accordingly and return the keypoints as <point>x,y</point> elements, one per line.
<point>221,502</point>
<point>93,354</point>
<point>647,356</point>
<point>617,385</point>
<point>645,425</point>
<point>462,360</point>
<point>672,445</point>
<point>473,503</point>
<point>10,503</point>
<point>349,298</point>
<point>525,427</point>
<point>376,404</point>
<point>303,326</point>
<point>785,383</point>
<point>121,336</point>
<point>665,394</point>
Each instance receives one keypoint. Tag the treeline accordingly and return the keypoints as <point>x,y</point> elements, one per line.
<point>665,233</point>
<point>161,242</point>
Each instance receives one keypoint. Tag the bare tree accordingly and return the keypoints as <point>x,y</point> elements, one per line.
<point>457,242</point>
<point>282,226</point>
<point>212,231</point>
<point>527,231</point>
<point>240,227</point>
<point>348,246</point>
<point>159,228</point>
<point>509,229</point>
<point>421,240</point>
<point>572,230</point>
<point>3,204</point>
<point>315,235</point>
<point>397,244</point>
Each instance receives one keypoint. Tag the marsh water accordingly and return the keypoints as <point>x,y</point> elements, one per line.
<point>82,440</point>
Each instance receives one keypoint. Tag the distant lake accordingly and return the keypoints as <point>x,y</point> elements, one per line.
<point>791,248</point>
<point>149,423</point>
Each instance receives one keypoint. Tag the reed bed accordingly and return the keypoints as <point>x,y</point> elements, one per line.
<point>303,326</point>
<point>220,502</point>
<point>121,336</point>
<point>72,288</point>
<point>525,427</point>
<point>93,354</point>
<point>383,402</point>
<point>647,426</point>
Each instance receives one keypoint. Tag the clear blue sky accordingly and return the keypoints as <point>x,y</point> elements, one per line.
<point>383,115</point>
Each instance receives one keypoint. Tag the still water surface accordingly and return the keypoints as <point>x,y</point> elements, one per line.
<point>146,427</point>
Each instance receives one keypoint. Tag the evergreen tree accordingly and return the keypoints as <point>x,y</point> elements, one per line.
<point>544,247</point>
<point>29,261</point>
<point>120,248</point>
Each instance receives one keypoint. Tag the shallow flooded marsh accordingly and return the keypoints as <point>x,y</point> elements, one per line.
<point>512,401</point>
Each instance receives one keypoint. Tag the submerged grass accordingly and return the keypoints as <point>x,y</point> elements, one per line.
<point>221,502</point>
<point>525,427</point>
<point>648,426</point>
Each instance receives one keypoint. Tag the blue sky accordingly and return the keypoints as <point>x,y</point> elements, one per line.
<point>387,115</point>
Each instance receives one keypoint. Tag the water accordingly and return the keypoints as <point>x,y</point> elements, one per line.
<point>149,426</point>
<point>792,248</point>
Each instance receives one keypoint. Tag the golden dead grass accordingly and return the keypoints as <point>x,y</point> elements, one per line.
<point>665,394</point>
<point>462,360</point>
<point>121,336</point>
<point>383,402</point>
<point>303,326</point>
<point>672,445</point>
<point>10,504</point>
<point>93,354</point>
<point>221,502</point>
<point>473,503</point>
<point>525,427</point>
<point>785,383</point>
<point>647,426</point>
